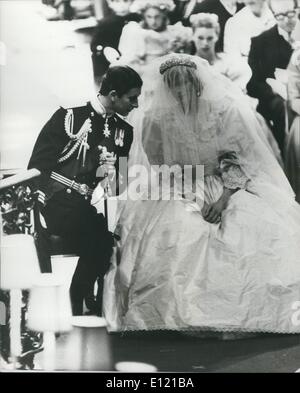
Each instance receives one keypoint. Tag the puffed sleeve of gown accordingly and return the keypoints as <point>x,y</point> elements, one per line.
<point>231,172</point>
<point>237,141</point>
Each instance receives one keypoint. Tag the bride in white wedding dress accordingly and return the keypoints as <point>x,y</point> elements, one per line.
<point>224,256</point>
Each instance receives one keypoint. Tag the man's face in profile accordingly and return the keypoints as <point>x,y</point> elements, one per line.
<point>127,102</point>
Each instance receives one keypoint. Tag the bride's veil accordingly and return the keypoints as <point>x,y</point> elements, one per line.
<point>190,115</point>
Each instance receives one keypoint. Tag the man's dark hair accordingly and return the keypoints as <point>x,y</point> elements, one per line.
<point>121,79</point>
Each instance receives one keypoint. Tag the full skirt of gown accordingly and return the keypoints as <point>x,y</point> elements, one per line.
<point>175,271</point>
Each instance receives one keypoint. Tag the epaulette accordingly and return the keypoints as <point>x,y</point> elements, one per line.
<point>73,104</point>
<point>78,110</point>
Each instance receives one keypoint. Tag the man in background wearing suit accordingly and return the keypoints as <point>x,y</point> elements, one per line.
<point>269,51</point>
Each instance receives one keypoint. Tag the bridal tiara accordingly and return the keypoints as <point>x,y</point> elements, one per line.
<point>176,61</point>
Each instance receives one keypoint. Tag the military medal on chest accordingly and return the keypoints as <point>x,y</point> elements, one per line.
<point>119,138</point>
<point>106,130</point>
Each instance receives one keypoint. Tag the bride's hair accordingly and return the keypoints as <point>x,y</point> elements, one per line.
<point>183,82</point>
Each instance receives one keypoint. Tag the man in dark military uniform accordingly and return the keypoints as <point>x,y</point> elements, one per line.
<point>75,147</point>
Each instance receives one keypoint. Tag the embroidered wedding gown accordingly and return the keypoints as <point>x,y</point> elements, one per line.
<point>174,270</point>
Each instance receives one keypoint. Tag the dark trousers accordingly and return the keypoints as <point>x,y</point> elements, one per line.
<point>77,222</point>
<point>273,111</point>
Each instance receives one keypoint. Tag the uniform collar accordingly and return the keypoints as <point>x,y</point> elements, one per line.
<point>99,107</point>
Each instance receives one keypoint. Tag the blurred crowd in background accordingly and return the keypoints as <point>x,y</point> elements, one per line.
<point>255,43</point>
